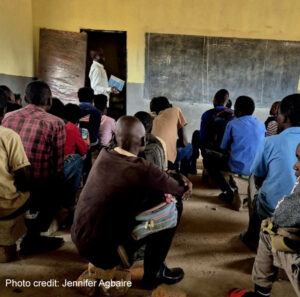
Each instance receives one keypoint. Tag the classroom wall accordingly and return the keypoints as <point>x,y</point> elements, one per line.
<point>16,45</point>
<point>269,19</point>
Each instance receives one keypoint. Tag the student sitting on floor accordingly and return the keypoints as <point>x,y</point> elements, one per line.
<point>75,148</point>
<point>11,103</point>
<point>272,167</point>
<point>241,139</point>
<point>279,245</point>
<point>43,137</point>
<point>114,195</point>
<point>169,126</point>
<point>212,127</point>
<point>14,181</point>
<point>90,116</point>
<point>271,122</point>
<point>155,147</point>
<point>108,124</point>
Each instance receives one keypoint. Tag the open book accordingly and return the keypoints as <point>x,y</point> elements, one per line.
<point>116,82</point>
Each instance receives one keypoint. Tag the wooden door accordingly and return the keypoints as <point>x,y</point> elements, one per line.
<point>62,62</point>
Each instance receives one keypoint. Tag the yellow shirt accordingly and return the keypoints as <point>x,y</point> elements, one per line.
<point>12,158</point>
<point>165,126</point>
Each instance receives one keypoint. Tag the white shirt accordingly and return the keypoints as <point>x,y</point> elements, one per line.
<point>98,78</point>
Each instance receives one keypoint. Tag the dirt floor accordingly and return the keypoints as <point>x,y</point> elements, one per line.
<point>206,246</point>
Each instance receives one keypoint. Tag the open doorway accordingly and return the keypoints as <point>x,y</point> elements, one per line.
<point>114,45</point>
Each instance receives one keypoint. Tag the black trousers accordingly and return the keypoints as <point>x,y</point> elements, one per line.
<point>157,248</point>
<point>214,165</point>
<point>46,197</point>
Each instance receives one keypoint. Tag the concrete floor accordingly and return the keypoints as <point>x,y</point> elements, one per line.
<point>206,246</point>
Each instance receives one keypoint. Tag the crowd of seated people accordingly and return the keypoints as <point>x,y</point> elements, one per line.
<point>143,160</point>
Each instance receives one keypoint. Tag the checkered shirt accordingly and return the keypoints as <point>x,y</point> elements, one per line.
<point>43,137</point>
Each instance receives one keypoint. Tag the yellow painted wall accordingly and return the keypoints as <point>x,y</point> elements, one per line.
<point>267,19</point>
<point>16,38</point>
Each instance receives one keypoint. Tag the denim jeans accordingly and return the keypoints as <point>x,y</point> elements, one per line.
<point>184,157</point>
<point>73,166</point>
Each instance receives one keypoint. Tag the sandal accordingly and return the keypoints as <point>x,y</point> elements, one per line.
<point>237,292</point>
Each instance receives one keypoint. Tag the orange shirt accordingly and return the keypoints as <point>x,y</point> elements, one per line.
<point>165,126</point>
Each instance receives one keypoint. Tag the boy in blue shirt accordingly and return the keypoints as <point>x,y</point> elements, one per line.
<point>241,140</point>
<point>273,167</point>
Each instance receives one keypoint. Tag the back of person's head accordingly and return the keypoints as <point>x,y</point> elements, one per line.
<point>130,134</point>
<point>229,104</point>
<point>100,102</point>
<point>85,95</point>
<point>3,102</point>
<point>9,93</point>
<point>72,113</point>
<point>290,109</point>
<point>158,104</point>
<point>38,93</point>
<point>146,120</point>
<point>244,106</point>
<point>274,108</point>
<point>221,98</point>
<point>57,108</point>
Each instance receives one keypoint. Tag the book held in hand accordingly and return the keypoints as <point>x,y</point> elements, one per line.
<point>116,82</point>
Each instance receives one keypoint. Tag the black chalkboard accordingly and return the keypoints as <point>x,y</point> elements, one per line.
<point>192,68</point>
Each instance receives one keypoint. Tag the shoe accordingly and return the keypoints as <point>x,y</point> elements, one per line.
<point>39,244</point>
<point>164,276</point>
<point>236,202</point>
<point>226,197</point>
<point>236,292</point>
<point>251,244</point>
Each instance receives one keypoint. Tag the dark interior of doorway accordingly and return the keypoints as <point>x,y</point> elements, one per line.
<point>114,47</point>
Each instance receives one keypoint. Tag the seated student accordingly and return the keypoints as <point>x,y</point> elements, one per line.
<point>75,148</point>
<point>11,104</point>
<point>108,124</point>
<point>114,194</point>
<point>271,122</point>
<point>241,138</point>
<point>90,116</point>
<point>155,147</point>
<point>279,245</point>
<point>272,167</point>
<point>212,127</point>
<point>14,182</point>
<point>169,126</point>
<point>43,137</point>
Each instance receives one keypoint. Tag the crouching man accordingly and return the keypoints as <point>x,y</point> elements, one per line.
<point>116,191</point>
<point>279,245</point>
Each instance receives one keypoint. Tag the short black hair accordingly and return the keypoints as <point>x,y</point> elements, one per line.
<point>100,102</point>
<point>57,108</point>
<point>244,105</point>
<point>146,120</point>
<point>72,113</point>
<point>220,97</point>
<point>38,93</point>
<point>229,104</point>
<point>3,102</point>
<point>85,94</point>
<point>7,91</point>
<point>158,104</point>
<point>290,108</point>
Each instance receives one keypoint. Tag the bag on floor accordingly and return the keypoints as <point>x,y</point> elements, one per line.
<point>161,217</point>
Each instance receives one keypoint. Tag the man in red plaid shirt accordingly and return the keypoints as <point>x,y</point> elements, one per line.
<point>43,137</point>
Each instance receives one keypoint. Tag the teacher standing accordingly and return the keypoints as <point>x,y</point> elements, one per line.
<point>98,76</point>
